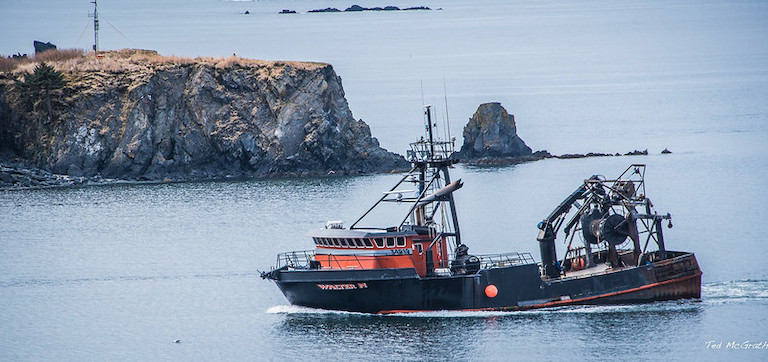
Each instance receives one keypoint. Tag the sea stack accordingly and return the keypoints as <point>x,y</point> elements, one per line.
<point>491,132</point>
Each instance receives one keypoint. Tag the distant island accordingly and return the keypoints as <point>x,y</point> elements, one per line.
<point>357,8</point>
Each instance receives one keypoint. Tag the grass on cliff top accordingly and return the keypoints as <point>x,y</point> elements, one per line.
<point>77,60</point>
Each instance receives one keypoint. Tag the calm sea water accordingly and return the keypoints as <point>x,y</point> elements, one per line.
<point>120,272</point>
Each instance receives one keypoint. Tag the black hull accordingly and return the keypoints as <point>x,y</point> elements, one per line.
<point>519,287</point>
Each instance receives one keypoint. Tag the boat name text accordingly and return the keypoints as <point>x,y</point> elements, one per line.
<point>342,286</point>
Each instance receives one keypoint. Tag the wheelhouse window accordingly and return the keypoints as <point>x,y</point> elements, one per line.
<point>390,242</point>
<point>379,242</point>
<point>359,243</point>
<point>401,241</point>
<point>336,242</point>
<point>368,243</point>
<point>343,242</point>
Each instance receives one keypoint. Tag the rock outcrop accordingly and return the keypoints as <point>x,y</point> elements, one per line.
<point>138,116</point>
<point>491,133</point>
<point>41,47</point>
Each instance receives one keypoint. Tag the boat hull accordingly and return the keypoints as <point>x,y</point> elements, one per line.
<point>518,287</point>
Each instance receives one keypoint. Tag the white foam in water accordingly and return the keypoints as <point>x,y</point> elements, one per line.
<point>576,309</point>
<point>294,309</point>
<point>450,314</point>
<point>734,290</point>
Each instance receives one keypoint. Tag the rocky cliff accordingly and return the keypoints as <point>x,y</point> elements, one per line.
<point>491,132</point>
<point>136,115</point>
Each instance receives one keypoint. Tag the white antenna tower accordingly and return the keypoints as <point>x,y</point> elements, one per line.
<point>95,16</point>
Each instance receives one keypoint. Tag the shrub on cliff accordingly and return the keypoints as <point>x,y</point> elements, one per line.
<point>39,85</point>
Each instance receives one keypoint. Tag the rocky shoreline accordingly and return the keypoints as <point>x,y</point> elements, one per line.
<point>541,155</point>
<point>15,174</point>
<point>133,116</point>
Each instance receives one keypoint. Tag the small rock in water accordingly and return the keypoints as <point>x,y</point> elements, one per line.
<point>176,341</point>
<point>665,151</point>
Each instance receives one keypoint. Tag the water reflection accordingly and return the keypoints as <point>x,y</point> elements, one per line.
<point>487,335</point>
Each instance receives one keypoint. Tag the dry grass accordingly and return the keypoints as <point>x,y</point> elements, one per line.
<point>131,60</point>
<point>55,55</point>
<point>48,56</point>
<point>7,65</point>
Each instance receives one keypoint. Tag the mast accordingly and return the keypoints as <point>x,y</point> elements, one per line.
<point>441,163</point>
<point>428,111</point>
<point>430,159</point>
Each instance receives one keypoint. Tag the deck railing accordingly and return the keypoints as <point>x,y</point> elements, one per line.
<point>507,259</point>
<point>307,259</point>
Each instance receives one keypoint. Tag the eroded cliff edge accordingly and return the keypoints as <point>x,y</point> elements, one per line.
<point>137,115</point>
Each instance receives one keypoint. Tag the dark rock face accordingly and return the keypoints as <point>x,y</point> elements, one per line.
<point>196,121</point>
<point>491,132</point>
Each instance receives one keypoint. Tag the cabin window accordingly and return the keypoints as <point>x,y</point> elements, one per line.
<point>418,248</point>
<point>343,242</point>
<point>336,242</point>
<point>368,243</point>
<point>359,243</point>
<point>401,241</point>
<point>379,242</point>
<point>390,242</point>
<point>326,241</point>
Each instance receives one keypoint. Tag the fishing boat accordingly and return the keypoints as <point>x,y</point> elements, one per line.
<point>615,251</point>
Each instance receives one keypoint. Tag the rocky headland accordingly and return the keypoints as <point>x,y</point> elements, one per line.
<point>136,115</point>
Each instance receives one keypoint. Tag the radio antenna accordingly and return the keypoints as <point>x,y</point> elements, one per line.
<point>95,27</point>
<point>447,121</point>
<point>421,83</point>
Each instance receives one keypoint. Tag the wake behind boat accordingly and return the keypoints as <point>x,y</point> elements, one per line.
<point>615,253</point>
